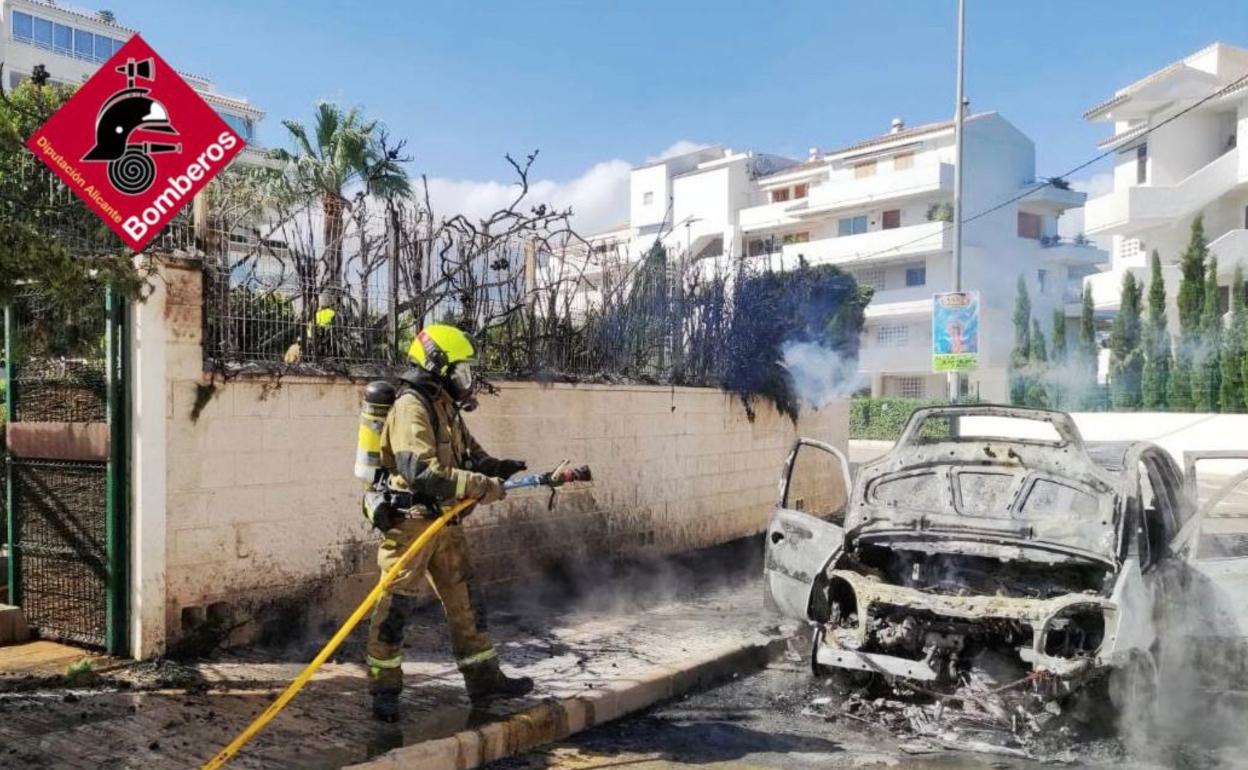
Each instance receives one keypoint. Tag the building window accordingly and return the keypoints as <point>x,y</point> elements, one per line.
<point>873,277</point>
<point>851,225</point>
<point>891,219</point>
<point>84,44</point>
<point>864,169</point>
<point>23,26</point>
<point>903,160</point>
<point>43,32</point>
<point>1141,164</point>
<point>242,126</point>
<point>63,39</point>
<point>647,198</point>
<point>892,335</point>
<point>103,47</point>
<point>1224,297</point>
<point>916,276</point>
<point>1130,248</point>
<point>761,246</point>
<point>779,196</point>
<point>1029,225</point>
<point>906,387</point>
<point>801,190</point>
<point>802,237</point>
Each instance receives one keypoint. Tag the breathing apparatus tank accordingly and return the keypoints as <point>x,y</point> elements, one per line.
<point>378,398</point>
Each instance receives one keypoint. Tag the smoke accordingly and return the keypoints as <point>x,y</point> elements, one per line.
<point>1066,385</point>
<point>1195,716</point>
<point>819,374</point>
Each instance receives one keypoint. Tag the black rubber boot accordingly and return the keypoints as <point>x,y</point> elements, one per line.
<point>386,704</point>
<point>486,682</point>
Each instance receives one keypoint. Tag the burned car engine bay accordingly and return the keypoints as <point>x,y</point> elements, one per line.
<point>1001,591</point>
<point>1011,639</point>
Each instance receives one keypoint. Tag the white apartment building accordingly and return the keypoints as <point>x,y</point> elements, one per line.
<point>71,44</point>
<point>1166,175</point>
<point>877,208</point>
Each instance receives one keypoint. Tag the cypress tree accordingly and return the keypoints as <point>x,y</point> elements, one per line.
<point>1191,302</point>
<point>1037,359</point>
<point>1126,358</point>
<point>1021,354</point>
<point>1086,352</point>
<point>1156,341</point>
<point>1231,396</point>
<point>1191,299</point>
<point>1057,389</point>
<point>1206,371</point>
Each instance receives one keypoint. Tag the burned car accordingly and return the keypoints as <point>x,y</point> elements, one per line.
<point>1044,560</point>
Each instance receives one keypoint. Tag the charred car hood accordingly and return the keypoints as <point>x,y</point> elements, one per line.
<point>1009,499</point>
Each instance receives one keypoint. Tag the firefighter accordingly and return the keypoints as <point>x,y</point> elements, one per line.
<point>429,460</point>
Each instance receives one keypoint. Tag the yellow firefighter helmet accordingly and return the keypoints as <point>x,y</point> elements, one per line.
<point>439,347</point>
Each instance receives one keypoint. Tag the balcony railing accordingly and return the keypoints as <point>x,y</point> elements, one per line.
<point>769,215</point>
<point>1053,241</point>
<point>908,293</point>
<point>1133,208</point>
<point>843,192</point>
<point>897,242</point>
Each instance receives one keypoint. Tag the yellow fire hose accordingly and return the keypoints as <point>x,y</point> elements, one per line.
<point>365,607</point>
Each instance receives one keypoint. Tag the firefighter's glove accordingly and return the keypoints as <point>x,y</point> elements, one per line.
<point>508,468</point>
<point>492,491</point>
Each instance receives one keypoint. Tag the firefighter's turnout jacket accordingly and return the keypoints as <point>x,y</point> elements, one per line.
<point>432,455</point>
<point>428,451</point>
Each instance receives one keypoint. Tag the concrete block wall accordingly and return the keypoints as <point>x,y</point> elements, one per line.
<point>259,505</point>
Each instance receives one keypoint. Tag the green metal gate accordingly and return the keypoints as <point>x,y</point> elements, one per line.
<point>66,498</point>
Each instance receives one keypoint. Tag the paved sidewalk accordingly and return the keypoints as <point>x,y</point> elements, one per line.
<point>629,629</point>
<point>863,450</point>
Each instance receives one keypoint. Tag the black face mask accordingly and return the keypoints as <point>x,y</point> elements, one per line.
<point>461,386</point>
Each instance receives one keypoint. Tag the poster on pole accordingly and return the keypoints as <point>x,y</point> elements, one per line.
<point>955,331</point>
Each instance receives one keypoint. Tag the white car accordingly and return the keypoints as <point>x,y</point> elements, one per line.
<point>1048,561</point>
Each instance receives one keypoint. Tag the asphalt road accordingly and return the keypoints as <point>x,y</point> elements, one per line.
<point>765,721</point>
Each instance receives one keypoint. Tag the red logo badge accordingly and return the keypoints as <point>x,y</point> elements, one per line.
<point>136,143</point>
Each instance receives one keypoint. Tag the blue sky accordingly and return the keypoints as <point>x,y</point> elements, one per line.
<point>599,85</point>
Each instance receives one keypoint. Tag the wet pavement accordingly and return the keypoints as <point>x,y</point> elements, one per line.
<point>573,633</point>
<point>773,720</point>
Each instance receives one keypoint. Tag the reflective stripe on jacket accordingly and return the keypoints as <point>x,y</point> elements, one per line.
<point>428,457</point>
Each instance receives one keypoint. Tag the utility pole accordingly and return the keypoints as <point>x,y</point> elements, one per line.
<point>955,378</point>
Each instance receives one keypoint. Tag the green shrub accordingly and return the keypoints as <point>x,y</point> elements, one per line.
<point>882,419</point>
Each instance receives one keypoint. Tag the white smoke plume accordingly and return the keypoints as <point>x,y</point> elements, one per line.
<point>820,375</point>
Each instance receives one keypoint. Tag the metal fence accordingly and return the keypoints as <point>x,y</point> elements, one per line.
<point>58,520</point>
<point>653,325</point>
<point>294,289</point>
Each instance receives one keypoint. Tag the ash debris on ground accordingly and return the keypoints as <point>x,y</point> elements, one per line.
<point>981,717</point>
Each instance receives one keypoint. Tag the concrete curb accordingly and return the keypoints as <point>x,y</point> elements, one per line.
<point>557,718</point>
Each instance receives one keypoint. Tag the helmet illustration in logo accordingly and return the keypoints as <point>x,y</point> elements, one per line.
<point>130,166</point>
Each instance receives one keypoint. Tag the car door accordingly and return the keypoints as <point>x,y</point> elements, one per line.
<point>807,526</point>
<point>1213,543</point>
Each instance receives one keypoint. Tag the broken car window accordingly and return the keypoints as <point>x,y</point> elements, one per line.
<point>816,484</point>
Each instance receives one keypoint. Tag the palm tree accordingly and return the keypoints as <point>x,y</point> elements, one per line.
<point>346,151</point>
